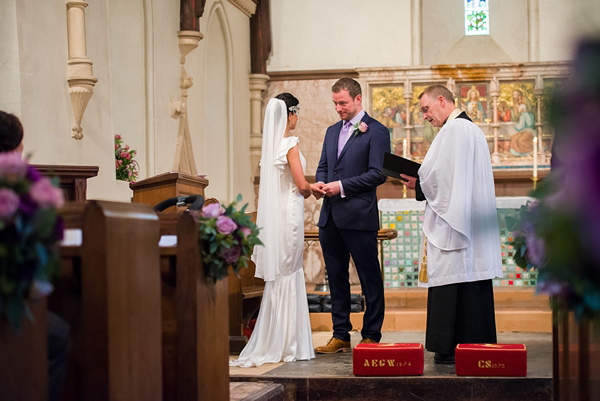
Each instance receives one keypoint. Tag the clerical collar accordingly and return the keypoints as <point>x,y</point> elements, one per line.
<point>455,113</point>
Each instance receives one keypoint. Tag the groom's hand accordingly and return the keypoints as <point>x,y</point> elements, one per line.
<point>332,188</point>
<point>317,189</point>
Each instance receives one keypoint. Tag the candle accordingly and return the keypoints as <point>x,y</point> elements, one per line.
<point>535,141</point>
<point>404,148</point>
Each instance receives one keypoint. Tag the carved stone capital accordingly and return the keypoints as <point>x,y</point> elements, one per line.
<point>258,82</point>
<point>188,41</point>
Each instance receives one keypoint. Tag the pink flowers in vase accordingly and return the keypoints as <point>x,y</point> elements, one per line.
<point>127,169</point>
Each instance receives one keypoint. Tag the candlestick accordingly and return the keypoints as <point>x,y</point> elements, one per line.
<point>535,140</point>
<point>404,148</point>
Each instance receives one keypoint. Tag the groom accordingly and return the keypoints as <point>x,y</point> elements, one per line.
<point>348,175</point>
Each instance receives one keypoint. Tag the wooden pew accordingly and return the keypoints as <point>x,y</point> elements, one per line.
<point>23,358</point>
<point>194,313</point>
<point>109,292</point>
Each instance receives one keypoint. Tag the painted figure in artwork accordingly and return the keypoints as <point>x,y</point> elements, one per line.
<point>473,106</point>
<point>521,143</point>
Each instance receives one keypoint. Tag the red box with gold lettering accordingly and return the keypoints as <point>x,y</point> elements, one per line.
<point>491,360</point>
<point>388,359</point>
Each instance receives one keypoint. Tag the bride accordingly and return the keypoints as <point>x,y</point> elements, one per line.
<point>282,331</point>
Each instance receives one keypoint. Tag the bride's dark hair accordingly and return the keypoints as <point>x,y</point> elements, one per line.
<point>289,99</point>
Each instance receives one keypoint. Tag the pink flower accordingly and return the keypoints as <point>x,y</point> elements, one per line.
<point>9,203</point>
<point>126,147</point>
<point>363,127</point>
<point>225,225</point>
<point>46,194</point>
<point>118,137</point>
<point>211,210</point>
<point>116,146</point>
<point>12,166</point>
<point>231,255</point>
<point>246,231</point>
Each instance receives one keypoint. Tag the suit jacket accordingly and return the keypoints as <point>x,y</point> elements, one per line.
<point>359,169</point>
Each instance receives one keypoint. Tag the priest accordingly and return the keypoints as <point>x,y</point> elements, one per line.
<point>460,244</point>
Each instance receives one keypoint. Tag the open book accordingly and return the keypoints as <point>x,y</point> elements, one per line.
<point>394,165</point>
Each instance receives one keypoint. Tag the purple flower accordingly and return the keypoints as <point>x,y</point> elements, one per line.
<point>9,203</point>
<point>231,255</point>
<point>211,210</point>
<point>553,288</point>
<point>536,250</point>
<point>12,166</point>
<point>46,194</point>
<point>32,174</point>
<point>225,225</point>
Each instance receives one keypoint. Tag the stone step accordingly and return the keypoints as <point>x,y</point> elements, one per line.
<point>533,320</point>
<point>256,391</point>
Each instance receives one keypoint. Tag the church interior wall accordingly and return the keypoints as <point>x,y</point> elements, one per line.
<point>334,34</point>
<point>133,46</point>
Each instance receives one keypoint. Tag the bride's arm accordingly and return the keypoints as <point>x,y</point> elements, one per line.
<point>293,158</point>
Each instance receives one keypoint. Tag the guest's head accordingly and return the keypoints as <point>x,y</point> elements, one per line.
<point>291,105</point>
<point>11,133</point>
<point>436,103</point>
<point>347,98</point>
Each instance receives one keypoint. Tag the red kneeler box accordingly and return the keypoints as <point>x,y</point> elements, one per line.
<point>388,359</point>
<point>491,360</point>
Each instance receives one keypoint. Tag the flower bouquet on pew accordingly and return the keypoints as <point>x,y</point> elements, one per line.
<point>30,234</point>
<point>228,237</point>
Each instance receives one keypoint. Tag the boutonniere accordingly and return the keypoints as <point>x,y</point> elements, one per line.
<point>360,128</point>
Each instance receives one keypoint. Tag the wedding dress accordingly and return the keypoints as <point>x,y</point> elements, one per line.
<point>282,331</point>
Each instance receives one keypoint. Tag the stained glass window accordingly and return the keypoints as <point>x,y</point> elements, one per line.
<point>477,17</point>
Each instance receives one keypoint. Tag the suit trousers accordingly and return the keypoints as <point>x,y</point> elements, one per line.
<point>338,245</point>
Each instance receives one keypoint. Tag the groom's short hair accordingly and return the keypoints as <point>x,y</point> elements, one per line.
<point>348,84</point>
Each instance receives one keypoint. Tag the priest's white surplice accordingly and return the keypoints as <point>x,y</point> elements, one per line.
<point>460,221</point>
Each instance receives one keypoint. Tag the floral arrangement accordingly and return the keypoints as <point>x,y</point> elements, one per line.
<point>360,127</point>
<point>559,233</point>
<point>30,232</point>
<point>127,169</point>
<point>228,236</point>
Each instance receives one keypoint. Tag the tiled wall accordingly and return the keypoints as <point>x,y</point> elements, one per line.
<point>401,255</point>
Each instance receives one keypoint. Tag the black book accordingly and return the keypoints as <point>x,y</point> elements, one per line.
<point>394,165</point>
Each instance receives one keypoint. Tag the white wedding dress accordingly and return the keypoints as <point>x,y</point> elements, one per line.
<point>282,331</point>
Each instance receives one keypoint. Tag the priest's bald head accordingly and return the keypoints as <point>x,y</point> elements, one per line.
<point>436,103</point>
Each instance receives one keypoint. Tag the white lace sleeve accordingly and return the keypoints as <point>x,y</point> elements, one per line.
<point>284,147</point>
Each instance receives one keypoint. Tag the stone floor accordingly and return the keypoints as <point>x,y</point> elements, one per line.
<point>329,377</point>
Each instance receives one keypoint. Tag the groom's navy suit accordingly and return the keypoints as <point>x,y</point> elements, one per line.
<point>348,225</point>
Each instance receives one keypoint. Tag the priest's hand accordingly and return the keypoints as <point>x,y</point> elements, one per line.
<point>332,188</point>
<point>317,190</point>
<point>409,181</point>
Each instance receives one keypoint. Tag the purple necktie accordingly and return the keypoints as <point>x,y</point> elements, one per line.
<point>343,136</point>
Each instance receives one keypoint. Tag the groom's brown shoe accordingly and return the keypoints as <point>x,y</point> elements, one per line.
<point>334,345</point>
<point>368,341</point>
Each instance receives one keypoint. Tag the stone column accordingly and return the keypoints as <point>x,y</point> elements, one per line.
<point>495,93</point>
<point>538,90</point>
<point>79,71</point>
<point>258,84</point>
<point>408,95</point>
<point>184,160</point>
